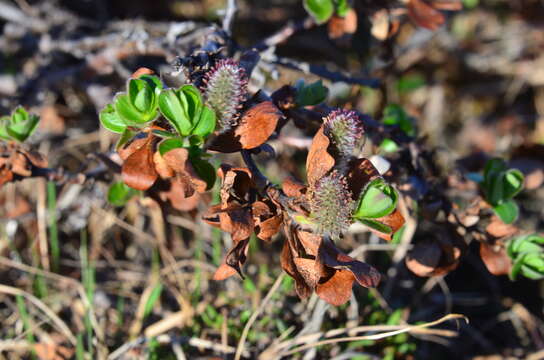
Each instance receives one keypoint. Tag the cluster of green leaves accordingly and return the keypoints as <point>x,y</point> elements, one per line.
<point>322,10</point>
<point>145,98</point>
<point>18,126</point>
<point>394,115</point>
<point>499,186</point>
<point>310,94</point>
<point>379,199</point>
<point>527,256</point>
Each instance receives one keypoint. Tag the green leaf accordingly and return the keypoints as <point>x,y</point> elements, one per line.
<point>516,267</point>
<point>410,82</point>
<point>376,225</point>
<point>342,7</point>
<point>492,168</point>
<point>4,120</point>
<point>507,211</point>
<point>153,297</point>
<point>311,94</point>
<point>22,124</point>
<point>119,194</point>
<point>206,123</point>
<point>395,115</point>
<point>512,182</point>
<point>173,105</point>
<point>194,102</point>
<point>320,10</point>
<point>140,94</point>
<point>205,171</point>
<point>388,146</point>
<point>130,114</point>
<point>170,144</point>
<point>378,200</point>
<point>111,121</point>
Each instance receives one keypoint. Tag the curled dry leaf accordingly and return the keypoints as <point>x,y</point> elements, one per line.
<point>267,219</point>
<point>425,15</point>
<point>495,258</point>
<point>178,161</point>
<point>319,162</point>
<point>142,71</point>
<point>15,161</point>
<point>138,169</point>
<point>438,254</point>
<point>254,128</point>
<point>498,229</point>
<point>360,173</point>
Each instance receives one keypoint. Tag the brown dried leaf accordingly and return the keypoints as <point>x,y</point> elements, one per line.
<point>20,164</point>
<point>180,194</point>
<point>162,168</point>
<point>425,15</point>
<point>424,258</point>
<point>360,173</point>
<point>267,220</point>
<point>448,5</point>
<point>395,220</point>
<point>337,289</point>
<point>5,175</point>
<point>36,158</point>
<point>142,71</point>
<point>138,169</point>
<point>237,221</point>
<point>255,127</point>
<point>319,162</point>
<point>223,272</point>
<point>288,265</point>
<point>132,146</point>
<point>178,161</point>
<point>308,271</point>
<point>498,229</point>
<point>495,259</point>
<point>365,274</point>
<point>293,188</point>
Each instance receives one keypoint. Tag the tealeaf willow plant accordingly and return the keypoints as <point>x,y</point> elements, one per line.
<point>16,161</point>
<point>166,137</point>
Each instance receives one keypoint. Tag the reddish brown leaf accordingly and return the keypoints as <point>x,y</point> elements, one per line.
<point>141,71</point>
<point>395,220</point>
<point>498,229</point>
<point>449,5</point>
<point>424,258</point>
<point>365,274</point>
<point>255,127</point>
<point>292,188</point>
<point>223,272</point>
<point>341,29</point>
<point>267,221</point>
<point>495,259</point>
<point>20,164</point>
<point>180,194</point>
<point>5,175</point>
<point>238,222</point>
<point>337,289</point>
<point>288,265</point>
<point>425,15</point>
<point>132,146</point>
<point>308,271</point>
<point>319,162</point>
<point>36,158</point>
<point>138,169</point>
<point>178,161</point>
<point>162,168</point>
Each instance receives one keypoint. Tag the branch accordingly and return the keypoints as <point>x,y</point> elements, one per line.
<point>285,33</point>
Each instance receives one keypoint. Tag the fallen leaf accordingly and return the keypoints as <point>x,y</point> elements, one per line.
<point>425,15</point>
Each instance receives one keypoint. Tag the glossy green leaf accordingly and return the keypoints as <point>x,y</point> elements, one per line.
<point>129,114</point>
<point>22,124</point>
<point>507,211</point>
<point>205,171</point>
<point>395,115</point>
<point>320,10</point>
<point>206,123</point>
<point>311,94</point>
<point>119,194</point>
<point>4,121</point>
<point>111,121</point>
<point>141,94</point>
<point>342,7</point>
<point>173,106</point>
<point>492,168</point>
<point>388,146</point>
<point>376,225</point>
<point>378,200</point>
<point>170,144</point>
<point>194,103</point>
<point>512,182</point>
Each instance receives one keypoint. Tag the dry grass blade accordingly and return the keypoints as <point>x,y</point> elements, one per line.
<point>241,343</point>
<point>40,305</point>
<point>400,330</point>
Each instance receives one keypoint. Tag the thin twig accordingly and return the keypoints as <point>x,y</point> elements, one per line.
<point>230,11</point>
<point>255,315</point>
<point>285,33</point>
